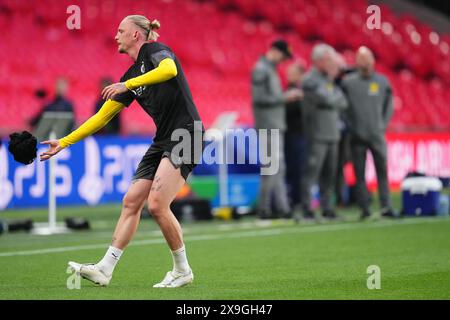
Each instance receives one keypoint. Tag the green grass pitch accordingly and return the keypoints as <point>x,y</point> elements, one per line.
<point>237,259</point>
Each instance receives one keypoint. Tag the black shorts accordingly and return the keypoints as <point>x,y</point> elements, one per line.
<point>161,149</point>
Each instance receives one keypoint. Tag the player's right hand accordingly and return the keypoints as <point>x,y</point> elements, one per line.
<point>113,89</point>
<point>53,149</point>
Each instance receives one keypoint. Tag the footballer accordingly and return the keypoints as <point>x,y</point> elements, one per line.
<point>156,80</point>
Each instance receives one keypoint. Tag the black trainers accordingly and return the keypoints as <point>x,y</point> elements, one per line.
<point>264,215</point>
<point>287,215</point>
<point>365,214</point>
<point>309,215</point>
<point>388,213</point>
<point>329,214</point>
<point>269,216</point>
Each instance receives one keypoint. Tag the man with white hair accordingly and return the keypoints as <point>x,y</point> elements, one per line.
<point>323,101</point>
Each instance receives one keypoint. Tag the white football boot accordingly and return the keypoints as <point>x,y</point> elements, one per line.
<point>91,272</point>
<point>175,280</point>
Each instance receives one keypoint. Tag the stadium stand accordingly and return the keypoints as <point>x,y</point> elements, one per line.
<point>222,40</point>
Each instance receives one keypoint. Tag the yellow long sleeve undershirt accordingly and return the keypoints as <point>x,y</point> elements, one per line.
<point>166,70</point>
<point>109,109</point>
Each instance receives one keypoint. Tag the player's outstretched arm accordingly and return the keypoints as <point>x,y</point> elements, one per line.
<point>109,109</point>
<point>166,70</point>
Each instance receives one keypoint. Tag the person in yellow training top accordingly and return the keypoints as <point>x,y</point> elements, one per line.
<point>156,80</point>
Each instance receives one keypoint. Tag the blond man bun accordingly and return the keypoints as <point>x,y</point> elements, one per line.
<point>153,35</point>
<point>147,27</point>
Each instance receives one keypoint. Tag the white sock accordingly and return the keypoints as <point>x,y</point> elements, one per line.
<point>180,263</point>
<point>109,261</point>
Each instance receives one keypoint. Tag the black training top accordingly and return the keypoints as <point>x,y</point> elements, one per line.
<point>169,103</point>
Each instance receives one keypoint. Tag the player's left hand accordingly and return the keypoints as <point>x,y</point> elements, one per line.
<point>113,89</point>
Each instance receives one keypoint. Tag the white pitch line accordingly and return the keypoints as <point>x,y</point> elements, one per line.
<point>231,235</point>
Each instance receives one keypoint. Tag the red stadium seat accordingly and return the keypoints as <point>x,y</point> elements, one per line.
<point>217,43</point>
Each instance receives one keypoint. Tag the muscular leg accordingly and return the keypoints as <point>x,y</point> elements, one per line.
<point>133,203</point>
<point>167,182</point>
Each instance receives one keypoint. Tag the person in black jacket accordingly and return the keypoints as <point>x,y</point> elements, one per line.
<point>60,102</point>
<point>295,144</point>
